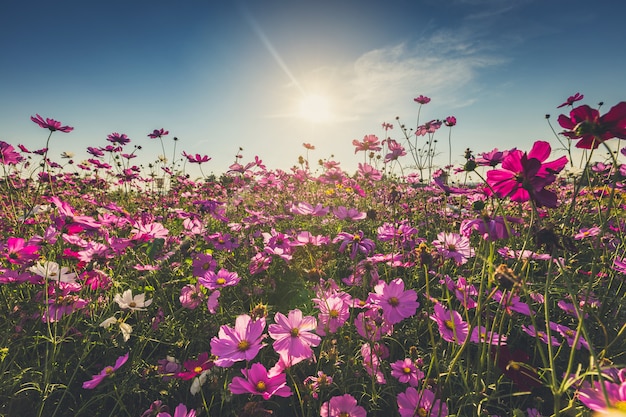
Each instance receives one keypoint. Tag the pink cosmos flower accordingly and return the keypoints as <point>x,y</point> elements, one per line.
<point>586,124</point>
<point>294,336</point>
<point>450,121</point>
<point>243,342</point>
<point>371,325</point>
<point>524,176</point>
<point>451,325</point>
<point>342,406</point>
<point>8,155</point>
<point>51,124</point>
<point>158,133</point>
<point>221,279</point>
<point>197,158</point>
<point>316,383</point>
<point>352,214</point>
<point>587,232</point>
<point>482,335</point>
<point>412,403</point>
<point>491,228</point>
<point>397,304</point>
<point>454,246</point>
<point>407,372</point>
<point>492,158</point>
<point>334,312</point>
<point>569,335</point>
<point>422,99</point>
<point>356,242</point>
<point>308,209</point>
<point>191,296</point>
<point>120,139</point>
<point>106,372</point>
<point>18,252</point>
<point>571,100</point>
<point>258,381</point>
<point>593,395</point>
<point>372,362</point>
<point>395,150</point>
<point>212,302</point>
<point>428,127</point>
<point>541,335</point>
<point>369,143</point>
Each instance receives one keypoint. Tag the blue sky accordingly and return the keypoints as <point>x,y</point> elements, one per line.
<point>221,75</point>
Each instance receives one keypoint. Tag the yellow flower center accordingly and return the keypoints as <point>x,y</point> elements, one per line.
<point>220,281</point>
<point>198,369</point>
<point>422,412</point>
<point>449,324</point>
<point>132,304</point>
<point>295,332</point>
<point>513,366</point>
<point>356,238</point>
<point>260,386</point>
<point>344,414</point>
<point>406,370</point>
<point>243,345</point>
<point>333,314</point>
<point>109,370</point>
<point>620,405</point>
<point>394,301</point>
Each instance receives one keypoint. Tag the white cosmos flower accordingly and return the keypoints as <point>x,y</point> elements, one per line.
<point>125,328</point>
<point>108,322</point>
<point>52,270</point>
<point>127,301</point>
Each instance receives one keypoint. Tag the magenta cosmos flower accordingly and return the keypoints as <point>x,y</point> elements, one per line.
<point>243,342</point>
<point>571,100</point>
<point>412,403</point>
<point>221,279</point>
<point>106,372</point>
<point>50,124</point>
<point>158,133</point>
<point>257,381</point>
<point>8,155</point>
<point>593,395</point>
<point>422,99</point>
<point>294,336</point>
<point>397,304</point>
<point>197,158</point>
<point>342,406</point>
<point>18,252</point>
<point>407,372</point>
<point>196,367</point>
<point>369,143</point>
<point>451,325</point>
<point>524,176</point>
<point>586,124</point>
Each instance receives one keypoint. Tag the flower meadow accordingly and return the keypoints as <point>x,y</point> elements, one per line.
<point>391,291</point>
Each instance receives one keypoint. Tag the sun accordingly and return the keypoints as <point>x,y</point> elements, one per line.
<point>315,108</point>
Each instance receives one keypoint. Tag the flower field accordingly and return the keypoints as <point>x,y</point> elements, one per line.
<point>390,291</point>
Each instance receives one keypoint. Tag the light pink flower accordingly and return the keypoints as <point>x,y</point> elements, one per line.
<point>397,304</point>
<point>106,372</point>
<point>342,406</point>
<point>243,342</point>
<point>294,336</point>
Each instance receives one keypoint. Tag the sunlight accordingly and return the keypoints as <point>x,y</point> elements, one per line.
<point>315,108</point>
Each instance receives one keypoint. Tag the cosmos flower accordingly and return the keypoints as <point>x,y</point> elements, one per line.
<point>422,99</point>
<point>524,176</point>
<point>407,372</point>
<point>52,271</point>
<point>397,304</point>
<point>126,301</point>
<point>342,406</point>
<point>294,336</point>
<point>454,246</point>
<point>412,403</point>
<point>243,342</point>
<point>571,100</point>
<point>158,133</point>
<point>590,129</point>
<point>369,143</point>
<point>8,155</point>
<point>18,252</point>
<point>197,158</point>
<point>50,124</point>
<point>221,279</point>
<point>195,368</point>
<point>258,381</point>
<point>106,372</point>
<point>451,325</point>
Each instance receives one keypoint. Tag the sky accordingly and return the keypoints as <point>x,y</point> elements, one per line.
<point>269,75</point>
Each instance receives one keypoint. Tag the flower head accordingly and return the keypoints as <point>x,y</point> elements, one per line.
<point>243,342</point>
<point>451,325</point>
<point>294,336</point>
<point>258,381</point>
<point>591,129</point>
<point>106,372</point>
<point>127,301</point>
<point>50,124</point>
<point>8,155</point>
<point>397,304</point>
<point>342,406</point>
<point>158,133</point>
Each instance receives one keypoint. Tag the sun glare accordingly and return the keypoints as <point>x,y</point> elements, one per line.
<point>315,108</point>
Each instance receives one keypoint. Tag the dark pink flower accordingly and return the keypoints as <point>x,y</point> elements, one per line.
<point>571,100</point>
<point>450,121</point>
<point>342,406</point>
<point>492,158</point>
<point>121,139</point>
<point>221,279</point>
<point>18,252</point>
<point>451,325</point>
<point>586,124</point>
<point>197,158</point>
<point>395,150</point>
<point>243,342</point>
<point>524,176</point>
<point>428,127</point>
<point>8,155</point>
<point>196,367</point>
<point>422,99</point>
<point>50,124</point>
<point>106,372</point>
<point>356,242</point>
<point>258,381</point>
<point>158,133</point>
